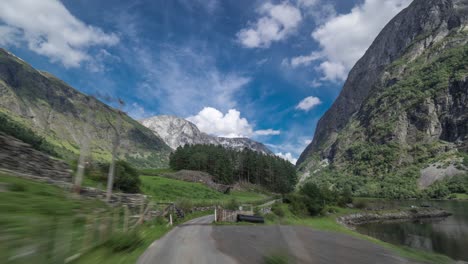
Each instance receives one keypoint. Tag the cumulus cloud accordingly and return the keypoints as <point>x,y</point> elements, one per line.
<point>308,103</point>
<point>275,24</point>
<point>49,29</point>
<point>303,60</point>
<point>345,38</point>
<point>287,156</point>
<point>212,121</point>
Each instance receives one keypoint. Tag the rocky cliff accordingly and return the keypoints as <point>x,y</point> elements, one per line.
<point>177,132</point>
<point>39,102</point>
<point>404,104</point>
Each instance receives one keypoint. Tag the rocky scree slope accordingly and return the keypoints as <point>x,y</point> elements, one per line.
<point>404,104</point>
<point>52,109</point>
<point>178,132</point>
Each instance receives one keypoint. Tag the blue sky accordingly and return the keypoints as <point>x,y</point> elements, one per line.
<point>262,69</point>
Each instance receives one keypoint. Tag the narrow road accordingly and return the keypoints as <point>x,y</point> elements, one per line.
<point>189,243</point>
<point>198,242</point>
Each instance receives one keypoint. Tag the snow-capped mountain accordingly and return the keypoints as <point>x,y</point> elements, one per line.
<point>177,132</point>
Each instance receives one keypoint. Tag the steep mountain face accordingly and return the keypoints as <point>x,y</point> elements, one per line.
<point>57,112</point>
<point>404,104</point>
<point>177,132</point>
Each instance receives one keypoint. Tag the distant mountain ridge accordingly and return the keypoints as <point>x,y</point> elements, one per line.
<point>176,131</point>
<point>57,112</point>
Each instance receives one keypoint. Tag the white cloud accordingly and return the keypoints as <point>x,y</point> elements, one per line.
<point>275,24</point>
<point>287,156</point>
<point>49,29</point>
<point>267,132</point>
<point>308,103</point>
<point>304,60</point>
<point>136,111</point>
<point>345,38</point>
<point>212,121</point>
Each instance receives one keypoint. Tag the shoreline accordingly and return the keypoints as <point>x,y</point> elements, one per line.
<point>352,220</point>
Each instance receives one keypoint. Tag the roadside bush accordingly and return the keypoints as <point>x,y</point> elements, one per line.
<point>296,203</point>
<point>360,204</point>
<point>185,205</point>
<point>125,241</point>
<point>277,259</point>
<point>126,177</point>
<point>271,217</point>
<point>232,205</point>
<point>278,210</point>
<point>256,211</point>
<point>314,198</point>
<point>345,198</point>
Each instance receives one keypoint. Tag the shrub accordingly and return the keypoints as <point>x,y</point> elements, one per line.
<point>278,210</point>
<point>125,241</point>
<point>296,204</point>
<point>314,198</point>
<point>16,187</point>
<point>360,204</point>
<point>126,177</point>
<point>232,205</point>
<point>276,259</point>
<point>185,205</point>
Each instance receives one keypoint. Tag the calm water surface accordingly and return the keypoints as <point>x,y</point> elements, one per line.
<point>448,236</point>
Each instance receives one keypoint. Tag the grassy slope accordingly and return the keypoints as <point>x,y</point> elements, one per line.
<point>42,94</point>
<point>31,212</point>
<point>329,223</point>
<point>164,189</point>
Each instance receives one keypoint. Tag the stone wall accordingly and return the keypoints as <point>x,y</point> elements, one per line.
<point>17,156</point>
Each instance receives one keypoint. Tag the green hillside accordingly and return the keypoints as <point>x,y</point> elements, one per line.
<point>45,105</point>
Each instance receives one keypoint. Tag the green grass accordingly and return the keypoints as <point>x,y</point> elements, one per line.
<point>461,196</point>
<point>171,190</point>
<point>37,214</point>
<point>329,223</point>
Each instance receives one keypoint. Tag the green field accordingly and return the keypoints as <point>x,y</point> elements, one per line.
<point>171,190</point>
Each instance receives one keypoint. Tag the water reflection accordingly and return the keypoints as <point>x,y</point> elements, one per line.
<point>447,236</point>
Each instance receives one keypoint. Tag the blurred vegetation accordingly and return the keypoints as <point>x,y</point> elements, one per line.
<point>34,215</point>
<point>126,178</point>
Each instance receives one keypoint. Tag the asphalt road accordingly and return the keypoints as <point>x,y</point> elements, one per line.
<point>197,242</point>
<point>189,243</point>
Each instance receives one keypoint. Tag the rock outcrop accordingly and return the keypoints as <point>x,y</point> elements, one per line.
<point>178,132</point>
<point>405,102</point>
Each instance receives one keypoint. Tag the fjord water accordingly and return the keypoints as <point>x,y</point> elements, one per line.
<point>448,236</point>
